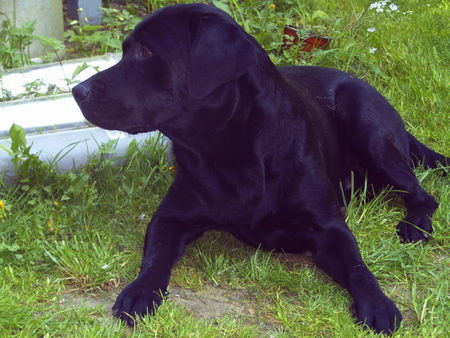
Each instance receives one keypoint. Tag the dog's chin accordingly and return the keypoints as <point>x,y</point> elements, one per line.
<point>124,128</point>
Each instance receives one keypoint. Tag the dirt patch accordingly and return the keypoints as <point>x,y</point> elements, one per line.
<point>296,261</point>
<point>77,300</point>
<point>210,303</point>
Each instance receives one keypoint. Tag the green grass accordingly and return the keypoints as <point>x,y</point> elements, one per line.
<point>69,242</point>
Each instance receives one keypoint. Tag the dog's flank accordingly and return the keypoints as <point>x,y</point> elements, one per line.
<point>260,150</point>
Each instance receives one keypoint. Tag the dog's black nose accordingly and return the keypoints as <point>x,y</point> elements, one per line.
<point>80,91</point>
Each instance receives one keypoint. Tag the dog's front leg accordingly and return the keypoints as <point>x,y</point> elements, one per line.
<point>336,253</point>
<point>165,241</point>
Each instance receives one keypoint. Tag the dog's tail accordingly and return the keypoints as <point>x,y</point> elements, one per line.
<point>421,154</point>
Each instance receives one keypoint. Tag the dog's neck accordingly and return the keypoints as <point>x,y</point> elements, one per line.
<point>252,108</point>
<point>223,117</point>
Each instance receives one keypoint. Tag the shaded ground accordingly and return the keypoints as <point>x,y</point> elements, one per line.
<point>209,303</point>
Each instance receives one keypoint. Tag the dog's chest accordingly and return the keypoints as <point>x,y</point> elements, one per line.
<point>246,200</point>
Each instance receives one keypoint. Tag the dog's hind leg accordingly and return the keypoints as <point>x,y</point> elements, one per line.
<point>421,154</point>
<point>378,140</point>
<point>393,168</point>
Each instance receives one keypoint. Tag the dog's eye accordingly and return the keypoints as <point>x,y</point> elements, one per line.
<point>146,52</point>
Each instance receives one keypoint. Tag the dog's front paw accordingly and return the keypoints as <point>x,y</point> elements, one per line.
<point>379,314</point>
<point>137,300</point>
<point>412,233</point>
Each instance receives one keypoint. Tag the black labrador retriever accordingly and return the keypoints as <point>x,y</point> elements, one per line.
<point>261,151</point>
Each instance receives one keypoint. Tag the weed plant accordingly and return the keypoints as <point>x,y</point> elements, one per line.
<point>70,241</point>
<point>14,42</point>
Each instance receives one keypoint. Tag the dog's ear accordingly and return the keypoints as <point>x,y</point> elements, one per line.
<point>220,52</point>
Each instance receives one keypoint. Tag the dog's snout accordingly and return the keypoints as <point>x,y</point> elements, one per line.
<point>88,89</point>
<point>80,92</point>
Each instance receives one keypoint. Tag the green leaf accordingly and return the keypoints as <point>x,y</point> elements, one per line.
<point>114,43</point>
<point>9,247</point>
<point>223,5</point>
<point>319,14</point>
<point>6,149</point>
<point>92,28</point>
<point>377,70</point>
<point>79,69</point>
<point>50,42</point>
<point>17,134</point>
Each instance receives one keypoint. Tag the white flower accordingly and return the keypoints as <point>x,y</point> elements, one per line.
<point>379,6</point>
<point>371,29</point>
<point>393,7</point>
<point>372,50</point>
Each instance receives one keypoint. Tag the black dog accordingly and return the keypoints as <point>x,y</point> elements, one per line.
<point>260,151</point>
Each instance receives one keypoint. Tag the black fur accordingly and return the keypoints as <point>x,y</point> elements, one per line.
<point>260,150</point>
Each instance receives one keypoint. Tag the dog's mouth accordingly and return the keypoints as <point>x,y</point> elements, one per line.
<point>148,127</point>
<point>138,130</point>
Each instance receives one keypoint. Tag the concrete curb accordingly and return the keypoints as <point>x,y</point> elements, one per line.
<point>55,124</point>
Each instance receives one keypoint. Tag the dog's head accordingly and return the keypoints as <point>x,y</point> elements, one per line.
<point>174,59</point>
